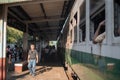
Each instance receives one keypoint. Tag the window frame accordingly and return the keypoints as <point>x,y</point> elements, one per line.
<point>75,34</point>
<point>83,24</point>
<point>116,39</point>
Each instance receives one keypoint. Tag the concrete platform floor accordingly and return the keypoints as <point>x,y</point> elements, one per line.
<point>42,73</point>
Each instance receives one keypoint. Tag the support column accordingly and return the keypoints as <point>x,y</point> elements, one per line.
<point>109,7</point>
<point>87,21</point>
<point>34,38</point>
<point>25,42</point>
<point>40,49</point>
<point>3,22</point>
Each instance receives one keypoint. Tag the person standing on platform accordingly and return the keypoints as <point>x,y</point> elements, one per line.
<point>32,59</point>
<point>9,54</point>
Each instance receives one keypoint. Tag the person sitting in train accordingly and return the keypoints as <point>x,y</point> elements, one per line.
<point>100,33</point>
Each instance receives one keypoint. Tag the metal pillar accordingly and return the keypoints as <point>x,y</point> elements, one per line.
<point>25,42</point>
<point>3,22</point>
<point>87,20</point>
<point>109,13</point>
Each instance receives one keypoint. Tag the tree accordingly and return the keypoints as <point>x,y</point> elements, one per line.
<point>14,36</point>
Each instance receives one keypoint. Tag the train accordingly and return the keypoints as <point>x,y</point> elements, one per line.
<point>76,41</point>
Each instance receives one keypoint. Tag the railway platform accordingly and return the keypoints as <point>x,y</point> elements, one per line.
<point>44,71</point>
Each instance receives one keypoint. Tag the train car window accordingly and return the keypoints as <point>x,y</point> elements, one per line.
<point>82,11</point>
<point>80,35</point>
<point>95,4</point>
<point>117,18</point>
<point>82,27</point>
<point>97,15</point>
<point>97,20</point>
<point>75,27</point>
<point>91,30</point>
<point>75,34</point>
<point>82,32</point>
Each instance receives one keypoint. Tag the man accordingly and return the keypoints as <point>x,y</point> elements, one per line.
<point>8,57</point>
<point>99,37</point>
<point>32,59</point>
<point>21,53</point>
<point>15,51</point>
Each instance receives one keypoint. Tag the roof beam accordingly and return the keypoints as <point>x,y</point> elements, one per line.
<point>49,33</point>
<point>43,20</point>
<point>25,14</point>
<point>49,28</point>
<point>34,2</point>
<point>15,13</point>
<point>43,10</point>
<point>15,16</point>
<point>42,7</point>
<point>46,28</point>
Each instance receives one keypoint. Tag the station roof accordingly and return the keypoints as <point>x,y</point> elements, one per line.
<point>44,17</point>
